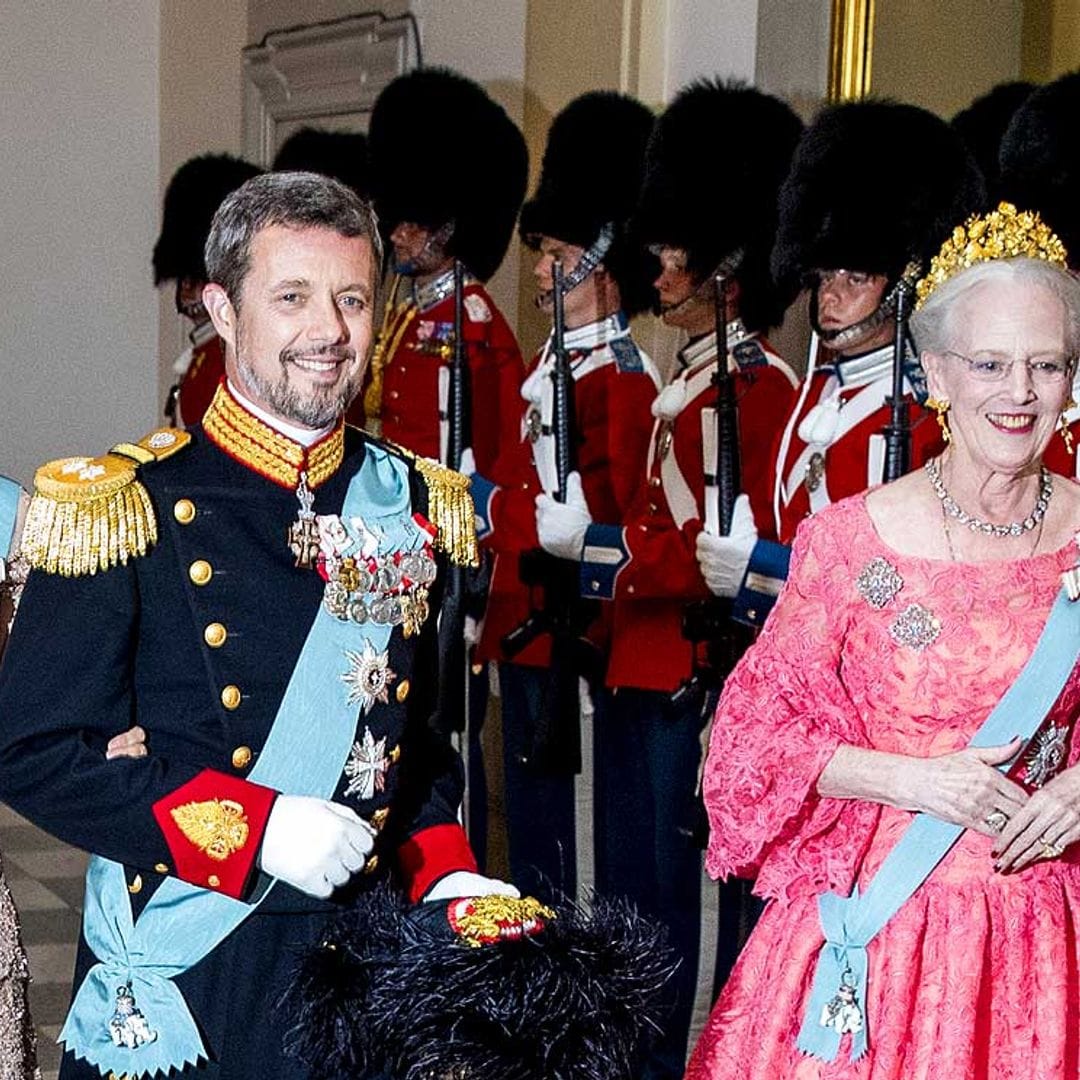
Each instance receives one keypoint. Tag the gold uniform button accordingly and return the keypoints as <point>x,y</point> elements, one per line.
<point>200,571</point>
<point>214,635</point>
<point>241,757</point>
<point>371,865</point>
<point>230,697</point>
<point>161,868</point>
<point>378,819</point>
<point>402,691</point>
<point>136,884</point>
<point>184,511</point>
<point>654,481</point>
<point>213,881</point>
<point>394,756</point>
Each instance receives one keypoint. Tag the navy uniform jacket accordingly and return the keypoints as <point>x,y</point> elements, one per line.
<point>201,661</point>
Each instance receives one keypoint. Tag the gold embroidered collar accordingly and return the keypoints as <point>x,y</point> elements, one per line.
<point>244,437</point>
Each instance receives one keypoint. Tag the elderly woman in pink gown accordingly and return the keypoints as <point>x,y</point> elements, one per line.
<point>909,612</point>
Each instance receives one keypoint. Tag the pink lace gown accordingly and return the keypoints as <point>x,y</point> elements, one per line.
<point>978,976</point>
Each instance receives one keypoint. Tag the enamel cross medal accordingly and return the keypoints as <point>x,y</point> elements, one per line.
<point>304,533</point>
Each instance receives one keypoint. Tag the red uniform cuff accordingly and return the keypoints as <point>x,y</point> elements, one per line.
<point>213,826</point>
<point>433,853</point>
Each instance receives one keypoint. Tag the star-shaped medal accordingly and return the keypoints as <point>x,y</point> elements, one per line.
<point>369,676</point>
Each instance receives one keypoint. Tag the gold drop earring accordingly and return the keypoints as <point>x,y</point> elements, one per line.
<point>940,407</point>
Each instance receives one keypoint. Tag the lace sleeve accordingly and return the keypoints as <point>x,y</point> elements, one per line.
<point>782,714</point>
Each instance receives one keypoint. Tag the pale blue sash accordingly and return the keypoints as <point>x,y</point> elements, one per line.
<point>9,511</point>
<point>851,923</point>
<point>182,923</point>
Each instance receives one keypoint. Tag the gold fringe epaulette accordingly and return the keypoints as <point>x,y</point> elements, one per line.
<point>450,508</point>
<point>89,514</point>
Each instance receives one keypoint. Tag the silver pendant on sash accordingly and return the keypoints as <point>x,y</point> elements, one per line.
<point>128,1026</point>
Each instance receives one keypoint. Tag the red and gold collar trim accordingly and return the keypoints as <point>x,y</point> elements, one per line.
<point>244,437</point>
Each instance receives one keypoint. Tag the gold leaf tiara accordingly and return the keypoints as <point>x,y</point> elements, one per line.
<point>1004,233</point>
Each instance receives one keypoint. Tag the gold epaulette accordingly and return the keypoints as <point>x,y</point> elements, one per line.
<point>450,508</point>
<point>89,514</point>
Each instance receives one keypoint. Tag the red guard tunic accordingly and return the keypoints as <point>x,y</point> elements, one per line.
<point>834,446</point>
<point>1057,457</point>
<point>200,369</point>
<point>410,370</point>
<point>614,384</point>
<point>648,563</point>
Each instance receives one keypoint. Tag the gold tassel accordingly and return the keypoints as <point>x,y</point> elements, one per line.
<point>87,514</point>
<point>451,511</point>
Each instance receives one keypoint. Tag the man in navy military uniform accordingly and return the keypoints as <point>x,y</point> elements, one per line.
<point>258,594</point>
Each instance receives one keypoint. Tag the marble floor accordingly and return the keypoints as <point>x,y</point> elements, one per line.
<point>46,879</point>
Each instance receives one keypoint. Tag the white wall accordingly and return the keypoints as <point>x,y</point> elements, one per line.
<point>78,210</point>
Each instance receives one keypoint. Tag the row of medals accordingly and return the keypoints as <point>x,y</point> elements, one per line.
<point>391,590</point>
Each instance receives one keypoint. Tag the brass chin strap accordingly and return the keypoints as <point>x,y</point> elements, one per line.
<point>849,335</point>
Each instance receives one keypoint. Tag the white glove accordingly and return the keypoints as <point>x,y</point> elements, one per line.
<point>561,526</point>
<point>724,559</point>
<point>314,845</point>
<point>466,883</point>
<point>472,630</point>
<point>468,462</point>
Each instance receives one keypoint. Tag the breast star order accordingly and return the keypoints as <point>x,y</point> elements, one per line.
<point>369,676</point>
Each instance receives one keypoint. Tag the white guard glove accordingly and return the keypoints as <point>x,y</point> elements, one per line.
<point>472,630</point>
<point>314,845</point>
<point>724,559</point>
<point>561,526</point>
<point>466,883</point>
<point>468,462</point>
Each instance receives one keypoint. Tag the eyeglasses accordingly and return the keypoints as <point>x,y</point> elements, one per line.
<point>1051,371</point>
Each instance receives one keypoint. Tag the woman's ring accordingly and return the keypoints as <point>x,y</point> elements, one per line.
<point>1050,851</point>
<point>996,820</point>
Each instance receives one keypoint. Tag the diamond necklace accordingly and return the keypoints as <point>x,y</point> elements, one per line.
<point>1015,528</point>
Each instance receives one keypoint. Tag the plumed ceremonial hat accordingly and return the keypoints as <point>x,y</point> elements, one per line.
<point>713,204</point>
<point>1040,159</point>
<point>341,155</point>
<point>481,988</point>
<point>194,193</point>
<point>441,151</point>
<point>983,124</point>
<point>590,177</point>
<point>873,186</point>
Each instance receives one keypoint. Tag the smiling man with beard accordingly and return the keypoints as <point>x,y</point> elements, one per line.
<point>258,594</point>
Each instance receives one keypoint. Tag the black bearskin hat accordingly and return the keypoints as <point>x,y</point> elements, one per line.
<point>341,155</point>
<point>482,988</point>
<point>713,211</point>
<point>442,150</point>
<point>983,123</point>
<point>591,175</point>
<point>853,199</point>
<point>1040,159</point>
<point>195,191</point>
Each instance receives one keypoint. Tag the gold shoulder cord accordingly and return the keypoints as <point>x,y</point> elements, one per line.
<point>396,320</point>
<point>450,508</point>
<point>89,514</point>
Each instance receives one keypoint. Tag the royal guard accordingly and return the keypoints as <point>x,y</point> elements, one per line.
<point>447,198</point>
<point>449,170</point>
<point>261,595</point>
<point>194,193</point>
<point>853,246</point>
<point>1040,170</point>
<point>702,221</point>
<point>578,219</point>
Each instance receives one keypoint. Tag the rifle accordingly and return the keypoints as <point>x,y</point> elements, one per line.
<point>465,588</point>
<point>898,430</point>
<point>554,746</point>
<point>718,641</point>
